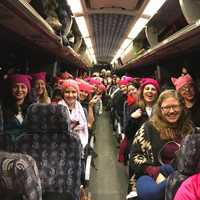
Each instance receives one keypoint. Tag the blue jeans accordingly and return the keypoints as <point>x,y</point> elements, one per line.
<point>148,189</point>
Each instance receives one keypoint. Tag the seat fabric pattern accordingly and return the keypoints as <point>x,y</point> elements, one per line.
<point>57,151</point>
<point>46,118</point>
<point>19,177</point>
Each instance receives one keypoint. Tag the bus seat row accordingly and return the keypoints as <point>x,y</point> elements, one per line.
<point>56,151</point>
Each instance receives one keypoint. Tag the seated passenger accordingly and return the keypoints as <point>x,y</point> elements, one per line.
<point>87,101</point>
<point>186,88</point>
<point>39,87</point>
<point>157,141</point>
<point>15,106</point>
<point>140,112</point>
<point>79,123</point>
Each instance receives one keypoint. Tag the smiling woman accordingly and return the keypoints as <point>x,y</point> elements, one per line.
<point>167,126</point>
<point>14,108</point>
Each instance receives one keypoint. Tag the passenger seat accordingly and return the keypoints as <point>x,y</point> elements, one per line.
<point>57,151</point>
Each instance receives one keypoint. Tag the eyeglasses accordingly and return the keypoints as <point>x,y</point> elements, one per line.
<point>187,88</point>
<point>168,108</point>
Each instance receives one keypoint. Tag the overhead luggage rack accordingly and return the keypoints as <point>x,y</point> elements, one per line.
<point>21,18</point>
<point>185,40</point>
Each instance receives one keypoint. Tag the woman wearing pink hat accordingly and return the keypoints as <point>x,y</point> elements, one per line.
<point>155,145</point>
<point>78,119</point>
<point>140,112</point>
<point>77,115</point>
<point>15,106</point>
<point>39,85</point>
<point>186,88</point>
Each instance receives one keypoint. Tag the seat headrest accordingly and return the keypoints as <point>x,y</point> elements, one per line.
<point>46,118</point>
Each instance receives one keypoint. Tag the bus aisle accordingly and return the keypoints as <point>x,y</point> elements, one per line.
<point>109,181</point>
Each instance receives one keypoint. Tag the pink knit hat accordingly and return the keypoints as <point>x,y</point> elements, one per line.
<point>101,87</point>
<point>39,76</point>
<point>181,81</point>
<point>85,86</point>
<point>94,81</point>
<point>66,75</point>
<point>151,81</point>
<point>20,78</point>
<point>123,82</point>
<point>127,78</point>
<point>70,83</point>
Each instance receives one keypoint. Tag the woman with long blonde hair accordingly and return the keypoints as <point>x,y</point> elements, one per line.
<point>40,88</point>
<point>155,143</point>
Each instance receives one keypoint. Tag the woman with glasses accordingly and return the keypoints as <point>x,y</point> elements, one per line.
<point>155,144</point>
<point>185,87</point>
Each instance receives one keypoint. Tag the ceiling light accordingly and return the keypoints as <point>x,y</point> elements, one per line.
<point>90,53</point>
<point>127,50</point>
<point>76,6</point>
<point>125,43</point>
<point>94,59</point>
<point>82,26</point>
<point>152,7</point>
<point>138,26</point>
<point>88,42</point>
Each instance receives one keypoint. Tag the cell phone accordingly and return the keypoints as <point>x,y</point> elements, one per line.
<point>74,124</point>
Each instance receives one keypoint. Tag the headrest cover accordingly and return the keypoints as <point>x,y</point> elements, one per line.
<point>46,118</point>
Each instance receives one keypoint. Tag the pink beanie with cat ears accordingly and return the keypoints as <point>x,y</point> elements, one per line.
<point>181,81</point>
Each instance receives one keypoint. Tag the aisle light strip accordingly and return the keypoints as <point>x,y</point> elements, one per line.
<point>91,51</point>
<point>85,33</point>
<point>138,26</point>
<point>150,10</point>
<point>126,43</point>
<point>152,7</point>
<point>82,26</point>
<point>76,6</point>
<point>88,42</point>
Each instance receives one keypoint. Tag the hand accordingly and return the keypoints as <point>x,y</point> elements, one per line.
<point>152,171</point>
<point>160,178</point>
<point>137,113</point>
<point>93,100</point>
<point>77,128</point>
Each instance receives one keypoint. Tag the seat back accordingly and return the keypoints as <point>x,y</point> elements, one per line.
<point>57,151</point>
<point>19,177</point>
